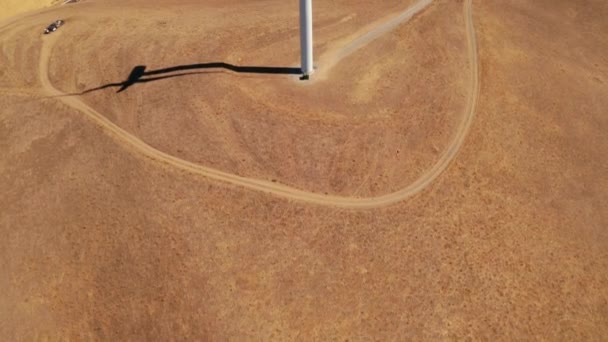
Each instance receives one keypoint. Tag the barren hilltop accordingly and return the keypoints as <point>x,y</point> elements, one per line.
<point>166,175</point>
<point>10,8</point>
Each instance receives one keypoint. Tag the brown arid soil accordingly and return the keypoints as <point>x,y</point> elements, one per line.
<point>445,181</point>
<point>11,8</point>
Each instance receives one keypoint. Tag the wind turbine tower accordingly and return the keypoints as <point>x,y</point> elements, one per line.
<point>306,38</point>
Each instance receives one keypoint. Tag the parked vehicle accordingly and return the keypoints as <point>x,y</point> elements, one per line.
<point>54,26</point>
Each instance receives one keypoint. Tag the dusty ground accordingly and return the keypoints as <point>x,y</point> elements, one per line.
<point>10,8</point>
<point>375,148</point>
<point>508,243</point>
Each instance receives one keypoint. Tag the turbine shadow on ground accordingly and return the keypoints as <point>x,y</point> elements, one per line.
<point>140,75</point>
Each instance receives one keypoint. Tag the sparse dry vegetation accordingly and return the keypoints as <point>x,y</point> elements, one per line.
<point>102,241</point>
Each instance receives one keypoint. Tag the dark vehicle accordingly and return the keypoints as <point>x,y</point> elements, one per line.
<point>54,26</point>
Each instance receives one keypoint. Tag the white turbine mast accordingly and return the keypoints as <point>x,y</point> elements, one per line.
<point>306,38</point>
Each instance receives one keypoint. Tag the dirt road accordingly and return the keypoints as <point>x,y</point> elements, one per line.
<point>132,142</point>
<point>366,35</point>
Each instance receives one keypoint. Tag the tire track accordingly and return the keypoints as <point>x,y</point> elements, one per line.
<point>364,37</point>
<point>275,189</point>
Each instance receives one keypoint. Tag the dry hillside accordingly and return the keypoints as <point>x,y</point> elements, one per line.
<point>165,175</point>
<point>10,8</point>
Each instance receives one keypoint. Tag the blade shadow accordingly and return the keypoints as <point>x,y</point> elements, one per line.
<point>140,75</point>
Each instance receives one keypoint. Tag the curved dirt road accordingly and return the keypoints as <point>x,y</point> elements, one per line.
<point>287,192</point>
